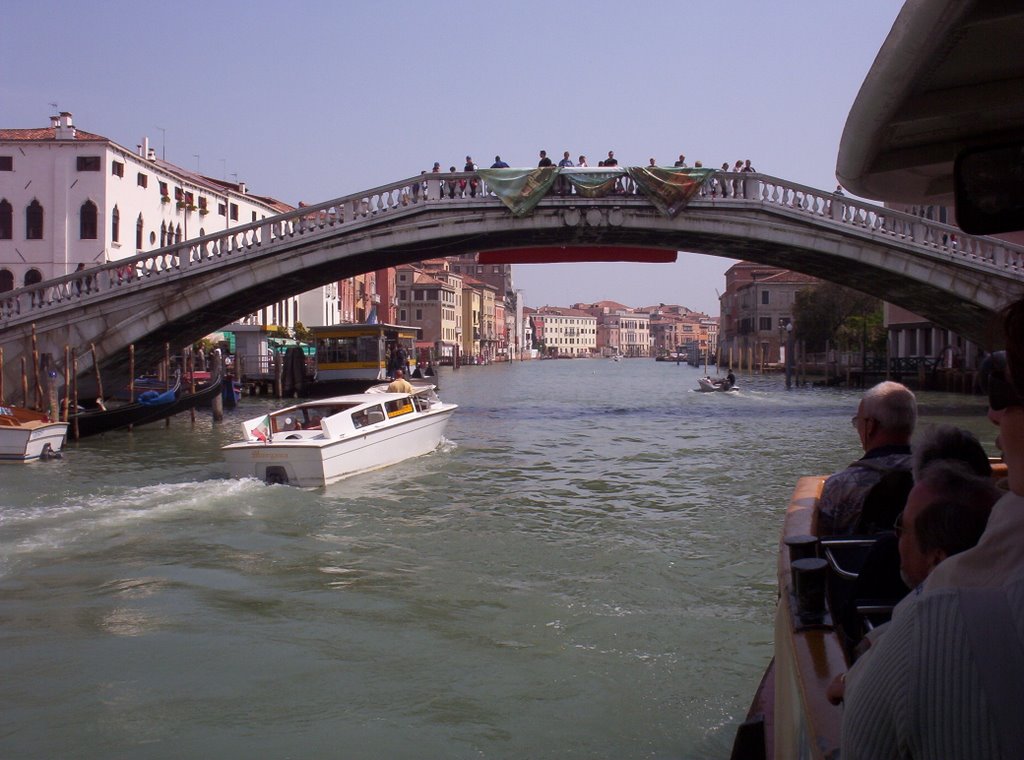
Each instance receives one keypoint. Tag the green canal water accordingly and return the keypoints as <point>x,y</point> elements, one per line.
<point>584,569</point>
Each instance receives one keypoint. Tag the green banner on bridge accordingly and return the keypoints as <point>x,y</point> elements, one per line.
<point>594,183</point>
<point>668,188</point>
<point>519,189</point>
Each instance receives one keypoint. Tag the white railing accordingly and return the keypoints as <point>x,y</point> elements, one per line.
<point>359,209</point>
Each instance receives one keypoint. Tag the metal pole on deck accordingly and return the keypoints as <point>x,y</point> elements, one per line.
<point>74,392</point>
<point>67,383</point>
<point>789,355</point>
<point>217,403</point>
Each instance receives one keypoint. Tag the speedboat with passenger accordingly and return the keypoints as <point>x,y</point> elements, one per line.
<point>317,443</point>
<point>26,435</point>
<point>709,385</point>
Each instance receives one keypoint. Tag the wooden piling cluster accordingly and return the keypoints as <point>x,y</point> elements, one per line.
<point>44,388</point>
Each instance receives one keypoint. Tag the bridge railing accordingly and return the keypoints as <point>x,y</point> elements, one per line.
<point>724,189</point>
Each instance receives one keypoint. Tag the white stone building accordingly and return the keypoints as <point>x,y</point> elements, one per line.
<point>566,332</point>
<point>70,199</point>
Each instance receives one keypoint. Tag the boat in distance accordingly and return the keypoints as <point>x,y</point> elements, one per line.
<point>320,442</point>
<point>710,385</point>
<point>26,435</point>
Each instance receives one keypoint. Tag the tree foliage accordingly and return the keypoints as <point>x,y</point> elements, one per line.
<point>830,313</point>
<point>302,333</point>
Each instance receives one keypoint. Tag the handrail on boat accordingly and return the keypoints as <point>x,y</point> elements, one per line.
<point>807,656</point>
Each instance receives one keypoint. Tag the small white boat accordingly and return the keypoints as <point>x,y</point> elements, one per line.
<point>320,442</point>
<point>707,385</point>
<point>26,435</point>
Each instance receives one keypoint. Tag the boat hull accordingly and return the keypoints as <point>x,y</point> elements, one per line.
<point>96,421</point>
<point>311,463</point>
<point>30,442</point>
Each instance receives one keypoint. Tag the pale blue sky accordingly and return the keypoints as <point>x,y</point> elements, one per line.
<point>314,100</point>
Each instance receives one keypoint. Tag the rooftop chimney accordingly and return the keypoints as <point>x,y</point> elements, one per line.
<point>65,127</point>
<point>144,148</point>
<point>54,121</point>
<point>241,188</point>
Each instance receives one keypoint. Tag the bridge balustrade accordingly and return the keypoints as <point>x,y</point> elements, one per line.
<point>435,190</point>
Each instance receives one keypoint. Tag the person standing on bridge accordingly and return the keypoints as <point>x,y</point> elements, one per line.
<point>681,163</point>
<point>563,185</point>
<point>473,181</point>
<point>582,162</point>
<point>544,160</point>
<point>498,163</point>
<point>451,183</point>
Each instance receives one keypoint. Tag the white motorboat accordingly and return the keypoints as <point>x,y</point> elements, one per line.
<point>320,442</point>
<point>26,435</point>
<point>707,385</point>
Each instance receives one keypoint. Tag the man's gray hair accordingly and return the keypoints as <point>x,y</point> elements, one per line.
<point>893,405</point>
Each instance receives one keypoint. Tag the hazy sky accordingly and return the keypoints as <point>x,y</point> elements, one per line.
<point>314,100</point>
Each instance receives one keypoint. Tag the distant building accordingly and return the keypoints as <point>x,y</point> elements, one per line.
<point>432,301</point>
<point>757,306</point>
<point>564,332</point>
<point>620,329</point>
<point>676,329</point>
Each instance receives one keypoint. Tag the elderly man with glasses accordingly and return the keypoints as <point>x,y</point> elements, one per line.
<point>884,423</point>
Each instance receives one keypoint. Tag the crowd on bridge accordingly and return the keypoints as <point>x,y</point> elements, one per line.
<point>714,186</point>
<point>945,677</point>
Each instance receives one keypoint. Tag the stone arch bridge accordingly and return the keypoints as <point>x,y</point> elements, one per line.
<point>182,292</point>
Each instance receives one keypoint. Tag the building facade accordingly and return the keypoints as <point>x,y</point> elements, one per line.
<point>564,332</point>
<point>757,308</point>
<point>71,199</point>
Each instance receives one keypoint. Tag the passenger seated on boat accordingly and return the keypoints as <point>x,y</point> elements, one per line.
<point>400,384</point>
<point>884,423</point>
<point>945,514</point>
<point>361,418</point>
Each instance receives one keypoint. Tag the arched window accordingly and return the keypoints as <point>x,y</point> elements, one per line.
<point>163,234</point>
<point>6,220</point>
<point>34,221</point>
<point>177,234</point>
<point>115,226</point>
<point>87,221</point>
<point>33,276</point>
<point>6,280</point>
<point>138,233</point>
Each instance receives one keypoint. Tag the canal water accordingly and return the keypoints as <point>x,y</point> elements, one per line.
<point>583,570</point>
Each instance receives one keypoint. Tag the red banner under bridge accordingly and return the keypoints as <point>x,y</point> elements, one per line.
<point>561,254</point>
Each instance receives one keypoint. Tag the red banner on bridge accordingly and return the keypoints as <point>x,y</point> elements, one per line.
<point>562,254</point>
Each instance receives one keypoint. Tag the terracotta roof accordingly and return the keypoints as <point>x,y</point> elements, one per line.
<point>48,133</point>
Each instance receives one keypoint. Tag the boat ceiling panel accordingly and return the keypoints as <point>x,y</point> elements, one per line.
<point>949,76</point>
